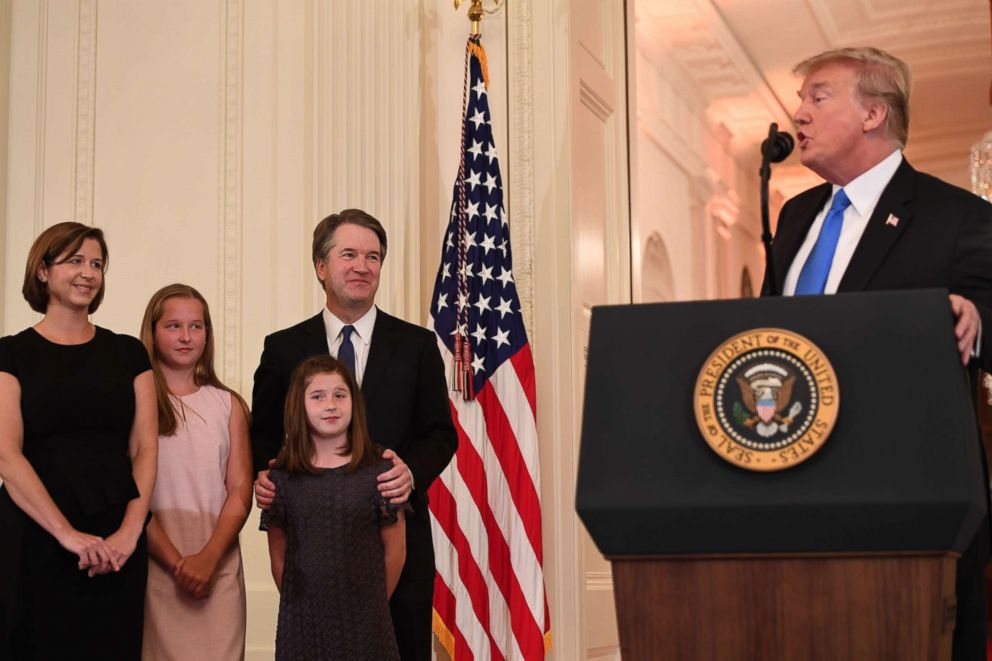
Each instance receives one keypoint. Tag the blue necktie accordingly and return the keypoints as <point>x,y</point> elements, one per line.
<point>346,352</point>
<point>813,277</point>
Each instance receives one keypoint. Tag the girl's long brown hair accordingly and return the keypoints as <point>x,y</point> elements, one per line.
<point>298,449</point>
<point>203,373</point>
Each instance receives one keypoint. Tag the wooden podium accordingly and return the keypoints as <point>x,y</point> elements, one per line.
<point>848,555</point>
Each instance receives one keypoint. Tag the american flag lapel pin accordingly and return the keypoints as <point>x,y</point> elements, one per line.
<point>892,220</point>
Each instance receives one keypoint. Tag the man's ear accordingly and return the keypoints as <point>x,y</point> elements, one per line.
<point>876,114</point>
<point>320,267</point>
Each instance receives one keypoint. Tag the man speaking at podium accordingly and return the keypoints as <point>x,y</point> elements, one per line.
<point>879,224</point>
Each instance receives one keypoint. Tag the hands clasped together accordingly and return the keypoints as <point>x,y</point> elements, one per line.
<point>96,554</point>
<point>195,573</point>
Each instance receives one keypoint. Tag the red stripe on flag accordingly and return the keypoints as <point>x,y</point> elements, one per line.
<point>443,596</point>
<point>524,494</point>
<point>523,365</point>
<point>468,569</point>
<point>470,466</point>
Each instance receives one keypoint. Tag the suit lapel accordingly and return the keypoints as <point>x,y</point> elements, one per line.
<point>380,352</point>
<point>790,236</point>
<point>314,336</point>
<point>880,235</point>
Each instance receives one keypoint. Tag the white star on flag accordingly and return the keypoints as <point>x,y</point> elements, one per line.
<point>478,118</point>
<point>488,243</point>
<point>503,308</point>
<point>486,274</point>
<point>490,152</point>
<point>501,338</point>
<point>482,303</point>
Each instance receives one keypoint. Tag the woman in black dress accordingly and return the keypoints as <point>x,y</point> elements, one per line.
<point>78,447</point>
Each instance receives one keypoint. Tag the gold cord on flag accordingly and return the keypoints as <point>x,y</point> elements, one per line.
<point>463,347</point>
<point>462,354</point>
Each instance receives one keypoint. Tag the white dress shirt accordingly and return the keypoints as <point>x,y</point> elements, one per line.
<point>864,192</point>
<point>361,339</point>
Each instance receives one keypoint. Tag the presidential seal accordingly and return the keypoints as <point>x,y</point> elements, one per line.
<point>766,399</point>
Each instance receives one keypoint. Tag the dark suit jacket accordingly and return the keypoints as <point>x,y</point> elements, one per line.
<point>943,239</point>
<point>406,398</point>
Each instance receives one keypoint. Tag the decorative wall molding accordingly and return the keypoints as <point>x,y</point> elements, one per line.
<point>599,106</point>
<point>232,63</point>
<point>520,165</point>
<point>672,143</point>
<point>599,580</point>
<point>908,25</point>
<point>605,653</point>
<point>85,111</point>
<point>40,118</point>
<point>695,35</point>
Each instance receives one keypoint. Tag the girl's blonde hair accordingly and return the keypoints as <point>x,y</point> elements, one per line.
<point>203,373</point>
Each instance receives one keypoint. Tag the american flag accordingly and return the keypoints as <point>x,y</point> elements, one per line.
<point>489,596</point>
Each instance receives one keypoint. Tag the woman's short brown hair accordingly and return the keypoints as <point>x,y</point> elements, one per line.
<point>58,240</point>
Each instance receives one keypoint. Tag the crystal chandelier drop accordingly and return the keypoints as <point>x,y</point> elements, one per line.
<point>981,167</point>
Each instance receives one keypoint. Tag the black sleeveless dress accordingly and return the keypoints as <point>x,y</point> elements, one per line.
<point>77,404</point>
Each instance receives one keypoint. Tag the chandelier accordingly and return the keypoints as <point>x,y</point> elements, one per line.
<point>981,167</point>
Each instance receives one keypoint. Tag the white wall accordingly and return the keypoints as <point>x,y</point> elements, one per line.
<point>690,188</point>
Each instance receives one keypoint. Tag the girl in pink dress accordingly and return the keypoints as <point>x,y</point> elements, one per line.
<point>195,601</point>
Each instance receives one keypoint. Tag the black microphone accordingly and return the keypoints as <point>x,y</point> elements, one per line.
<point>777,147</point>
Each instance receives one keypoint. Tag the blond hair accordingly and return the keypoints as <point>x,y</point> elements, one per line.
<point>881,77</point>
<point>203,373</point>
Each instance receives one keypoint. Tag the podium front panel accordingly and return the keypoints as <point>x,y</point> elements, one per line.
<point>901,471</point>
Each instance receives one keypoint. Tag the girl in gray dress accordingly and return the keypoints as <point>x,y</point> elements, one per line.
<point>336,546</point>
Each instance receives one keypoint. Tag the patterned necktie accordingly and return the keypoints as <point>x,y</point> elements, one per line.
<point>813,277</point>
<point>346,352</point>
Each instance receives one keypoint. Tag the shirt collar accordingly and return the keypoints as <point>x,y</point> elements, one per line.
<point>363,325</point>
<point>864,190</point>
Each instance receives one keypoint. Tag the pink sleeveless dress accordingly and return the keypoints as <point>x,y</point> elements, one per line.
<point>189,495</point>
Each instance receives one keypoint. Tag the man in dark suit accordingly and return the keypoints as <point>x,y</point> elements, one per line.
<point>879,224</point>
<point>401,375</point>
